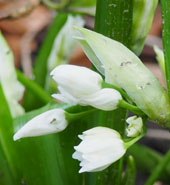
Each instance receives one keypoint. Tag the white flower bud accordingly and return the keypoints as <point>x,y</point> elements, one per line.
<point>51,121</point>
<point>135,126</point>
<point>100,147</point>
<point>104,99</point>
<point>80,85</point>
<point>76,81</point>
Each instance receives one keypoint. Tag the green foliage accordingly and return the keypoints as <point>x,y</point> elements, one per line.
<point>166,39</point>
<point>130,174</point>
<point>40,68</point>
<point>143,14</point>
<point>8,152</point>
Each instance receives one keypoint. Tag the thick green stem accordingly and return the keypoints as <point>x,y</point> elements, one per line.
<point>166,38</point>
<point>114,20</point>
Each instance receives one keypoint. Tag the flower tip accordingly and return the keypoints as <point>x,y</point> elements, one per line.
<point>81,170</point>
<point>16,137</point>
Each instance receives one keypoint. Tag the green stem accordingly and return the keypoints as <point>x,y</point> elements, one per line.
<point>134,109</point>
<point>133,141</point>
<point>40,68</point>
<point>36,89</point>
<point>159,169</point>
<point>72,117</point>
<point>122,92</point>
<point>115,21</point>
<point>165,4</point>
<point>147,159</point>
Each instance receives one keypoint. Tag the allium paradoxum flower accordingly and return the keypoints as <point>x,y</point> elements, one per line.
<point>80,85</point>
<point>51,121</point>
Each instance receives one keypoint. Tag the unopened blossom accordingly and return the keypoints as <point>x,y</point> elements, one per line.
<point>99,148</point>
<point>75,82</point>
<point>80,85</point>
<point>51,121</point>
<point>104,99</point>
<point>135,126</point>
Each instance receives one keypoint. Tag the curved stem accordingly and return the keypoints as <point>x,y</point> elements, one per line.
<point>134,109</point>
<point>122,92</point>
<point>72,117</point>
<point>33,87</point>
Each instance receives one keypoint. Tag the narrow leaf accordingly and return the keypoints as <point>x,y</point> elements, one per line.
<point>158,170</point>
<point>130,174</point>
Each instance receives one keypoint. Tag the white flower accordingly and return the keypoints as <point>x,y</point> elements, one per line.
<point>100,147</point>
<point>51,121</point>
<point>75,82</point>
<point>104,99</point>
<point>135,126</point>
<point>80,85</point>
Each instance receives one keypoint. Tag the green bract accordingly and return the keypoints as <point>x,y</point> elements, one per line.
<point>142,20</point>
<point>124,69</point>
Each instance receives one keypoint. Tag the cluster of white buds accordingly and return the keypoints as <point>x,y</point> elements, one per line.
<point>77,85</point>
<point>80,85</point>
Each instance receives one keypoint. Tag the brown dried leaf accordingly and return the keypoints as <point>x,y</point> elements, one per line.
<point>16,8</point>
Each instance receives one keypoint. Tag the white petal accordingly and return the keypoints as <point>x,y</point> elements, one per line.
<point>135,126</point>
<point>104,99</point>
<point>77,155</point>
<point>77,81</point>
<point>100,147</point>
<point>51,121</point>
<point>102,130</point>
